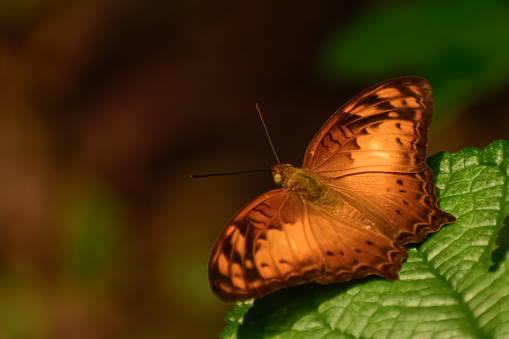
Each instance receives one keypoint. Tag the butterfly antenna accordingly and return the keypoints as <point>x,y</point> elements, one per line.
<point>230,173</point>
<point>267,132</point>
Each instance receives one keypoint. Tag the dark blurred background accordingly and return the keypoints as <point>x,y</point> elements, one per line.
<point>107,107</point>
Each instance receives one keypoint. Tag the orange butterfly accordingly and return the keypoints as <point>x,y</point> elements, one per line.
<point>364,191</point>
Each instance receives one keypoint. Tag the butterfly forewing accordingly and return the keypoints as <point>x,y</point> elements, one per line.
<point>382,129</point>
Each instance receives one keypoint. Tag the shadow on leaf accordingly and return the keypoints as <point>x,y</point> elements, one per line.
<point>502,245</point>
<point>278,311</point>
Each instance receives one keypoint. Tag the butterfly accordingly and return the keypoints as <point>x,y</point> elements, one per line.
<point>363,192</point>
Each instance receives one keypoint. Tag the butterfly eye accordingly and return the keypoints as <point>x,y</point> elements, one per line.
<point>277,179</point>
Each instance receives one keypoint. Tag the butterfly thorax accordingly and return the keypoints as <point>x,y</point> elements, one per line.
<point>299,180</point>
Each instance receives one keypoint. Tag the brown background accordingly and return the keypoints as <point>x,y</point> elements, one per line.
<point>107,107</point>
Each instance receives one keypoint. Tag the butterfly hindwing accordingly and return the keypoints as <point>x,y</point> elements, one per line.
<point>350,245</point>
<point>402,206</point>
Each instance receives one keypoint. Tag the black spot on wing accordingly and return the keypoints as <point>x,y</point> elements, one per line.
<point>251,272</point>
<point>259,209</point>
<point>384,106</point>
<point>236,258</point>
<point>369,100</point>
<point>328,135</point>
<point>227,246</point>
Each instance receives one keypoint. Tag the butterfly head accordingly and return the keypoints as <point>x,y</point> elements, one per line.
<point>280,172</point>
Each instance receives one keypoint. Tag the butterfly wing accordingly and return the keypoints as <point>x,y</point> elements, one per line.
<point>280,240</point>
<point>266,246</point>
<point>382,129</point>
<point>373,152</point>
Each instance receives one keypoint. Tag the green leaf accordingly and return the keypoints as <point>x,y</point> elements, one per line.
<point>449,286</point>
